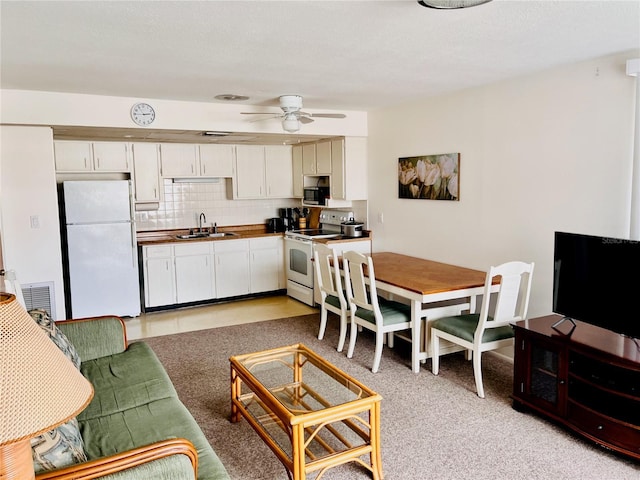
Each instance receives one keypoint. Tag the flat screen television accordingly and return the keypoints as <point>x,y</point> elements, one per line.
<point>597,280</point>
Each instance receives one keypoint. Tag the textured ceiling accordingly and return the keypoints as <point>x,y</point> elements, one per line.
<point>345,55</point>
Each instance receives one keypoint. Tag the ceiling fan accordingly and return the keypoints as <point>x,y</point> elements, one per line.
<point>291,115</point>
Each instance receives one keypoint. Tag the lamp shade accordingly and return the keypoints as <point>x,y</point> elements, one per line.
<point>40,388</point>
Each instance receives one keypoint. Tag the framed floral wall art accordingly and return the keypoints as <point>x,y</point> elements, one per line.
<point>430,177</point>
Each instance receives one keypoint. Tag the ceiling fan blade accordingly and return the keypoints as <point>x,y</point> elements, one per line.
<point>303,119</point>
<point>261,119</point>
<point>328,115</point>
<point>260,113</point>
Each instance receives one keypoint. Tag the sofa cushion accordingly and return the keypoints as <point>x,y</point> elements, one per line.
<point>125,380</point>
<point>63,445</point>
<point>158,420</point>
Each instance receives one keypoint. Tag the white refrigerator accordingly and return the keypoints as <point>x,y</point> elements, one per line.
<point>101,248</point>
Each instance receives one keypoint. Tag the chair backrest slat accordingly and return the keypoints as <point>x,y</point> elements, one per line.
<point>512,301</point>
<point>362,296</point>
<point>328,271</point>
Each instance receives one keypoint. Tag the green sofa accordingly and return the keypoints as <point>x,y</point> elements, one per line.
<point>135,427</point>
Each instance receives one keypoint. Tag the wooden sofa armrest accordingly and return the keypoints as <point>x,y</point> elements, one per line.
<point>96,337</point>
<point>125,460</point>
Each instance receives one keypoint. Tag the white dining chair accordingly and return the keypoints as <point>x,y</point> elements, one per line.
<point>483,332</point>
<point>367,310</point>
<point>332,295</point>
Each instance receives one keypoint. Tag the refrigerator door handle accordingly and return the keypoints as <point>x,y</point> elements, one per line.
<point>132,213</point>
<point>133,244</point>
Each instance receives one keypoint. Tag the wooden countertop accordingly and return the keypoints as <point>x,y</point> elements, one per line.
<point>158,237</point>
<point>366,236</point>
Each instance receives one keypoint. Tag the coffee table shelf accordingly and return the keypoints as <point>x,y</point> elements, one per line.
<point>312,415</point>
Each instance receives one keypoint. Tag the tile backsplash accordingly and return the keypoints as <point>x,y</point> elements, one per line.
<point>182,204</point>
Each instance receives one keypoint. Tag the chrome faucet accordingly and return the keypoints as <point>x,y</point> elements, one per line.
<point>215,227</point>
<point>202,219</point>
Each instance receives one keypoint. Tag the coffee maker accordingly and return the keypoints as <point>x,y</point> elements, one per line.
<point>287,218</point>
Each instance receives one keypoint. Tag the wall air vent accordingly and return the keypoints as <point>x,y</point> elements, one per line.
<point>39,295</point>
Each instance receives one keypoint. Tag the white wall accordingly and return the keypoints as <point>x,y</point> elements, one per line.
<point>56,109</point>
<point>547,152</point>
<point>28,186</point>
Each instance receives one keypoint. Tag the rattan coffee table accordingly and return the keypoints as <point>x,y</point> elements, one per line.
<point>311,414</point>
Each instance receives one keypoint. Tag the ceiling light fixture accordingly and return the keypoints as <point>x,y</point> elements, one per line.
<point>451,4</point>
<point>290,123</point>
<point>231,97</point>
<point>215,134</point>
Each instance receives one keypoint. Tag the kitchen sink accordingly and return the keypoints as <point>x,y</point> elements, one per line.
<point>188,236</point>
<point>223,234</point>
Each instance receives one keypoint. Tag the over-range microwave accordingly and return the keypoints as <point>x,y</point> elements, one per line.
<point>316,195</point>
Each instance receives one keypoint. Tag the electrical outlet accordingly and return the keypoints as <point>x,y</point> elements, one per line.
<point>380,217</point>
<point>35,221</point>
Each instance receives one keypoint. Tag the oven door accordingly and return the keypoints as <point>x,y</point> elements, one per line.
<point>298,255</point>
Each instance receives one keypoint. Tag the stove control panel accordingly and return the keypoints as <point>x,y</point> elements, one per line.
<point>335,217</point>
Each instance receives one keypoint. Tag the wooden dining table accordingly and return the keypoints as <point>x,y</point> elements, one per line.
<point>430,287</point>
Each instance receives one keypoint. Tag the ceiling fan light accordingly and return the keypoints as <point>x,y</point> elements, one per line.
<point>290,123</point>
<point>451,4</point>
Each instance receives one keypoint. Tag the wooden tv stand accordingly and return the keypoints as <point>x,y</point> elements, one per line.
<point>588,380</point>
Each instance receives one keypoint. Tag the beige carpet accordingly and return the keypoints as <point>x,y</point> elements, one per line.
<point>432,427</point>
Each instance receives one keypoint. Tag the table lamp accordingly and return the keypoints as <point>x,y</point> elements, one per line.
<point>39,388</point>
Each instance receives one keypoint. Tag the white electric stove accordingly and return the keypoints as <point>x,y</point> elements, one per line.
<point>299,253</point>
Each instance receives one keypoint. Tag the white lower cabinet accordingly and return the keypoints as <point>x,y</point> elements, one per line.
<point>267,264</point>
<point>194,272</point>
<point>232,268</point>
<point>189,272</point>
<point>159,276</point>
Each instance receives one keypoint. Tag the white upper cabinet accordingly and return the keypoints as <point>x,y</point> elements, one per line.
<point>216,160</point>
<point>82,156</point>
<point>296,170</point>
<point>309,159</point>
<point>323,158</point>
<point>316,158</point>
<point>146,172</point>
<point>248,181</point>
<point>263,172</point>
<point>111,157</point>
<point>349,169</point>
<point>278,171</point>
<point>179,160</point>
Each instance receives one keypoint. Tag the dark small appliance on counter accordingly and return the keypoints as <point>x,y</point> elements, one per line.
<point>316,195</point>
<point>275,224</point>
<point>286,214</point>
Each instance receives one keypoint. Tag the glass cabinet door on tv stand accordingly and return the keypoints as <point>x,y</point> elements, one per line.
<point>539,372</point>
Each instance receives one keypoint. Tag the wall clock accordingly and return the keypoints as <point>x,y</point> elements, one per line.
<point>143,114</point>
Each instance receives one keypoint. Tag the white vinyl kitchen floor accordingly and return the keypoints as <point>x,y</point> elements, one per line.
<point>212,316</point>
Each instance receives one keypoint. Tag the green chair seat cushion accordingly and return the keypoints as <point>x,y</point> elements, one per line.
<point>333,300</point>
<point>464,326</point>
<point>125,380</point>
<point>392,312</point>
<point>158,420</point>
